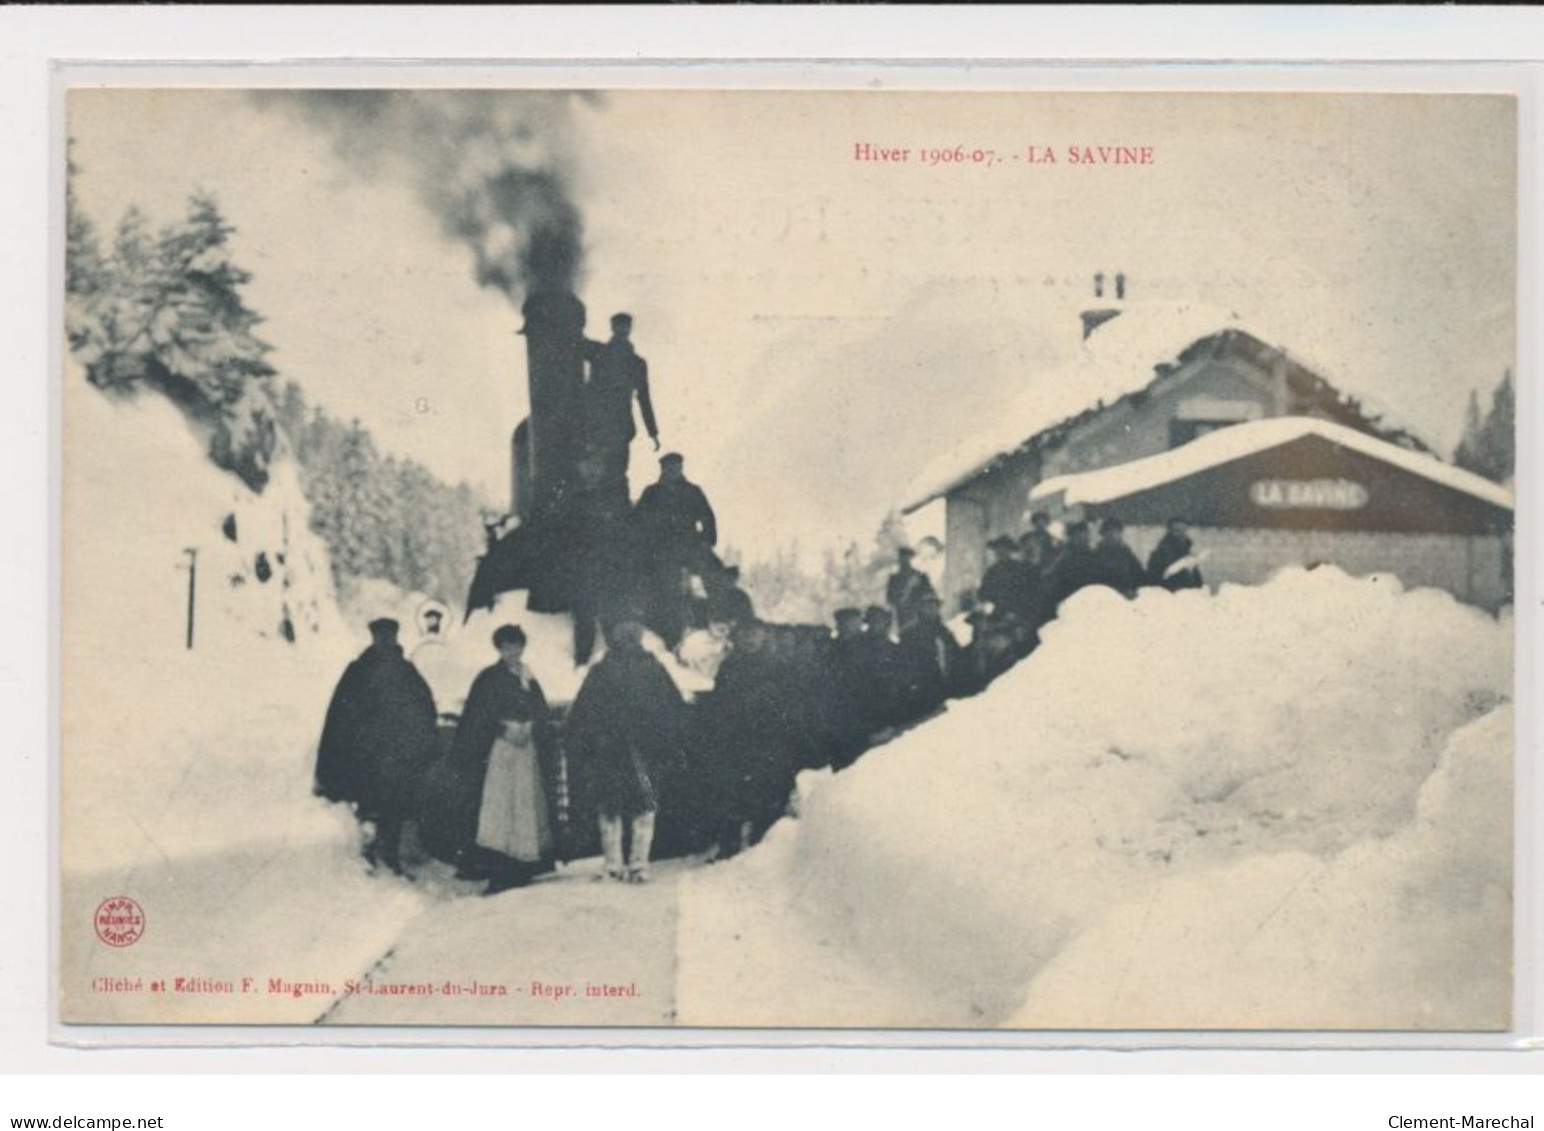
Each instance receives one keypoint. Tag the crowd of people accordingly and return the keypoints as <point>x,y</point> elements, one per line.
<point>1029,577</point>
<point>517,785</point>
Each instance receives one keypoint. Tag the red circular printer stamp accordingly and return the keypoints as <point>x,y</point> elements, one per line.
<point>119,921</point>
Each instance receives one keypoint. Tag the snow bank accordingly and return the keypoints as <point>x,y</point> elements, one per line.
<point>1148,743</point>
<point>747,957</point>
<point>186,773</point>
<point>189,750</point>
<point>1411,932</point>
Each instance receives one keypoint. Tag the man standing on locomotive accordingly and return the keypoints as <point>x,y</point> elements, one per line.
<point>677,530</point>
<point>617,376</point>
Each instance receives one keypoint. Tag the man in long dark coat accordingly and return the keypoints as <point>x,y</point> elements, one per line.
<point>676,531</point>
<point>626,733</point>
<point>850,716</point>
<point>1074,568</point>
<point>378,740</point>
<point>674,509</point>
<point>1010,585</point>
<point>1115,563</point>
<point>1039,545</point>
<point>1172,549</point>
<point>906,588</point>
<point>997,582</point>
<point>617,376</point>
<point>760,739</point>
<point>884,670</point>
<point>934,661</point>
<point>727,602</point>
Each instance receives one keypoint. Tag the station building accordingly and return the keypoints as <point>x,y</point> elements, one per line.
<point>1302,491</point>
<point>1153,382</point>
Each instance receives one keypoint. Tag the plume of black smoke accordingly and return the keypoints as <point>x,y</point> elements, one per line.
<point>495,167</point>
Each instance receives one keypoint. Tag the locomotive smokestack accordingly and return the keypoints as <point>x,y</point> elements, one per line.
<point>554,350</point>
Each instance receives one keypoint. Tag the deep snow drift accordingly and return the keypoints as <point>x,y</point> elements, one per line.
<point>1412,931</point>
<point>186,774</point>
<point>1186,810</point>
<point>191,748</point>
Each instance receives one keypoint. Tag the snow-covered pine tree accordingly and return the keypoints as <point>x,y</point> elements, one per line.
<point>887,544</point>
<point>782,591</point>
<point>169,314</point>
<point>112,339</point>
<point>290,409</point>
<point>1467,454</point>
<point>347,510</point>
<point>203,337</point>
<point>849,579</point>
<point>85,268</point>
<point>1488,446</point>
<point>1499,434</point>
<point>383,517</point>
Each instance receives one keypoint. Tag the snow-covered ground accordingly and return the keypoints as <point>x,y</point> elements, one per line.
<point>186,773</point>
<point>1272,807</point>
<point>1409,931</point>
<point>566,951</point>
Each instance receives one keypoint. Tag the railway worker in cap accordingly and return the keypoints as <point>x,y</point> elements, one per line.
<point>884,675</point>
<point>849,719</point>
<point>906,588</point>
<point>617,376</point>
<point>378,740</point>
<point>1009,583</point>
<point>1172,563</point>
<point>1040,547</point>
<point>932,658</point>
<point>849,626</point>
<point>677,530</point>
<point>675,507</point>
<point>1074,568</point>
<point>728,603</point>
<point>759,737</point>
<point>1115,564</point>
<point>1015,589</point>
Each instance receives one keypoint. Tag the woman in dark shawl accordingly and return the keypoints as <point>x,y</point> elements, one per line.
<point>498,811</point>
<point>625,731</point>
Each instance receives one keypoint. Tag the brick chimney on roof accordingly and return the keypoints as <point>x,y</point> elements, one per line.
<point>1100,314</point>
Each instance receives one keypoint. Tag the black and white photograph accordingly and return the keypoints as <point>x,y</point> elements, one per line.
<point>788,559</point>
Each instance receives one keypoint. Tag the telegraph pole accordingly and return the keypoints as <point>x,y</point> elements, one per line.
<point>192,553</point>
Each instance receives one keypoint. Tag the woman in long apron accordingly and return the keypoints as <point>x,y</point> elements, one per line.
<point>507,726</point>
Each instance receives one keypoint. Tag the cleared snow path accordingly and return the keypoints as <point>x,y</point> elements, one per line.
<point>565,951</point>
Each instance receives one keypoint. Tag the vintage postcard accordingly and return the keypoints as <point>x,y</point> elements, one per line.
<point>793,559</point>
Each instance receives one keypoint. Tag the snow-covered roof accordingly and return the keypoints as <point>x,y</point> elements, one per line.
<point>1240,440</point>
<point>1118,359</point>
